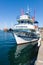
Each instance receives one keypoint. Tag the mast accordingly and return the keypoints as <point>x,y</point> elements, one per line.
<point>33,17</point>
<point>28,10</point>
<point>34,14</point>
<point>22,12</point>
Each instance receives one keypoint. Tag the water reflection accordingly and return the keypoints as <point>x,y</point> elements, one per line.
<point>23,54</point>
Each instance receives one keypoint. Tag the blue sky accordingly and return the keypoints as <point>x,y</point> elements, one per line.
<point>10,9</point>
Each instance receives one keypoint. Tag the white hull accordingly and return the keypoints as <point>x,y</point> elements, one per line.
<point>19,40</point>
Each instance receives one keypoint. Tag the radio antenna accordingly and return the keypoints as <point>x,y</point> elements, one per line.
<point>28,10</point>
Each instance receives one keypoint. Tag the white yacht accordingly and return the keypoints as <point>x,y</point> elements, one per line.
<point>26,31</point>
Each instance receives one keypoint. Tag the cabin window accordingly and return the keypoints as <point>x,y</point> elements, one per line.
<point>29,22</point>
<point>25,22</point>
<point>33,31</point>
<point>21,21</point>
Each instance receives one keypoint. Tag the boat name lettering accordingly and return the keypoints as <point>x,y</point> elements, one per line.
<point>21,26</point>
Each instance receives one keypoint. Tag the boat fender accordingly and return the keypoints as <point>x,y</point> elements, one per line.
<point>39,42</point>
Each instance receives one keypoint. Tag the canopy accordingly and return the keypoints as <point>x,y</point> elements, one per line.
<point>36,22</point>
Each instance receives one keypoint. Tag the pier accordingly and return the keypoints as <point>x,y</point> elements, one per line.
<point>39,60</point>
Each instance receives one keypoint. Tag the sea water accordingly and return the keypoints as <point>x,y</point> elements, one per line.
<point>13,54</point>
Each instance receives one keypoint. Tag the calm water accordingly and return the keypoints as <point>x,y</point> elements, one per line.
<point>13,54</point>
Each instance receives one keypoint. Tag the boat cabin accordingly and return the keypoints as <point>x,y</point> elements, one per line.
<point>25,19</point>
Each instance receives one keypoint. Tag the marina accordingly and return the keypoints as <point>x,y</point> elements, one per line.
<point>21,32</point>
<point>21,43</point>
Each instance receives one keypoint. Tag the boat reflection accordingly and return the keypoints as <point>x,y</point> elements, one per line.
<point>23,54</point>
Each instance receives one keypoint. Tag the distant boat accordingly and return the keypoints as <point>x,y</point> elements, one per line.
<point>10,30</point>
<point>5,29</point>
<point>26,30</point>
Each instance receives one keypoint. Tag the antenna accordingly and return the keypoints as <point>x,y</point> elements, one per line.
<point>28,10</point>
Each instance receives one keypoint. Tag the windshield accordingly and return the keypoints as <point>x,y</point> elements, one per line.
<point>25,22</point>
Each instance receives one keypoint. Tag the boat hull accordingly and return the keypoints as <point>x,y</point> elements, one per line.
<point>20,40</point>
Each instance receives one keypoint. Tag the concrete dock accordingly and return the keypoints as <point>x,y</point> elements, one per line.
<point>39,60</point>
